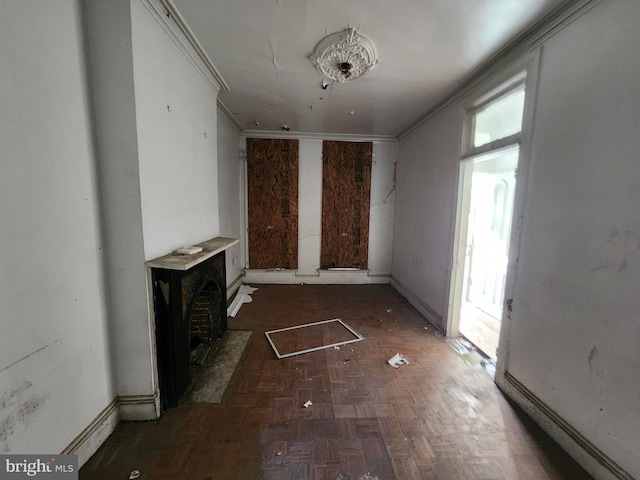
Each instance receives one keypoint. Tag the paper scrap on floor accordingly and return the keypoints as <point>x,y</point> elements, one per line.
<point>397,360</point>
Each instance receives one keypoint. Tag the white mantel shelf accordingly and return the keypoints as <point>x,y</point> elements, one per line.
<point>177,261</point>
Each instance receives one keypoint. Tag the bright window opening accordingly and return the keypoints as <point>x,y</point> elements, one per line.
<point>500,118</point>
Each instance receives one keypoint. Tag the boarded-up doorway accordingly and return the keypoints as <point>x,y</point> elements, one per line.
<point>346,188</point>
<point>272,195</point>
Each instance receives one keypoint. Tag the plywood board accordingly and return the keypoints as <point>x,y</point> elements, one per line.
<point>272,194</point>
<point>346,191</point>
<point>310,337</point>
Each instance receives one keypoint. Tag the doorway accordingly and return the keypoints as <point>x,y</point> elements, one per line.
<point>491,195</point>
<point>487,184</point>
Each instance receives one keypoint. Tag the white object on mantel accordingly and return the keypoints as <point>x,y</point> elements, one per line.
<point>189,250</point>
<point>175,261</point>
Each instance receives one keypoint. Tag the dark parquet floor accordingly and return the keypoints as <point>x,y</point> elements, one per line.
<point>439,417</point>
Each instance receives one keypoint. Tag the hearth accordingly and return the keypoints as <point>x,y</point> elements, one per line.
<point>190,304</point>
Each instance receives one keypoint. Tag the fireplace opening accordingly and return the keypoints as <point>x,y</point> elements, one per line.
<point>205,323</point>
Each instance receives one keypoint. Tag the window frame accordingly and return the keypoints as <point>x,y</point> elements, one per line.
<point>468,150</point>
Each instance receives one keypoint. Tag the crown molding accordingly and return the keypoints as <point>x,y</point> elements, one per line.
<point>529,39</point>
<point>347,137</point>
<point>226,114</point>
<point>176,28</point>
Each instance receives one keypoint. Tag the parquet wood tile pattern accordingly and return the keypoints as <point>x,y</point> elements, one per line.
<point>439,417</point>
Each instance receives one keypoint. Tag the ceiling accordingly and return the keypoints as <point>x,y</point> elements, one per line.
<point>426,48</point>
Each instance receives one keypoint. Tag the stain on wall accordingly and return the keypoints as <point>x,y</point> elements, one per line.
<point>18,407</point>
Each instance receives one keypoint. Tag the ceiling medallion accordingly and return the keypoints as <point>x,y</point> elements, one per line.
<point>345,55</point>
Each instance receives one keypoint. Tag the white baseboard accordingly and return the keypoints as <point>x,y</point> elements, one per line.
<point>233,287</point>
<point>427,312</point>
<point>590,457</point>
<point>92,437</point>
<point>127,408</point>
<point>135,408</point>
<point>325,277</point>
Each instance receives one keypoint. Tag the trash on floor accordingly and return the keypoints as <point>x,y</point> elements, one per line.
<point>200,353</point>
<point>457,346</point>
<point>467,343</point>
<point>489,365</point>
<point>243,296</point>
<point>311,337</point>
<point>307,404</point>
<point>135,474</point>
<point>397,360</point>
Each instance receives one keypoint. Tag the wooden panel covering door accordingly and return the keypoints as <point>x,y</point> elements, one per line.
<point>346,188</point>
<point>272,194</point>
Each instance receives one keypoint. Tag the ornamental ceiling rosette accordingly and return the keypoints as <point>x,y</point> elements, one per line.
<point>345,55</point>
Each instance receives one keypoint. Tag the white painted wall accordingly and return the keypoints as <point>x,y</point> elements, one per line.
<point>309,206</point>
<point>310,219</point>
<point>55,373</point>
<point>427,178</point>
<point>574,334</point>
<point>383,194</point>
<point>230,196</point>
<point>176,118</point>
<point>158,172</point>
<point>111,69</point>
<point>575,330</point>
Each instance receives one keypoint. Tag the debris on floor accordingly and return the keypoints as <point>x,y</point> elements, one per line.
<point>243,296</point>
<point>307,404</point>
<point>135,474</point>
<point>397,360</point>
<point>200,353</point>
<point>279,339</point>
<point>489,365</point>
<point>457,346</point>
<point>368,476</point>
<point>467,344</point>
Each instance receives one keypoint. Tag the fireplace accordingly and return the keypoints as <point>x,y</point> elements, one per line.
<point>190,305</point>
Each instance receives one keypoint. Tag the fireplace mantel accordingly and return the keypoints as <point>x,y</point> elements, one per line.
<point>177,283</point>
<point>177,261</point>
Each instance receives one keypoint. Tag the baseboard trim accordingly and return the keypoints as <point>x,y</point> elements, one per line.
<point>233,287</point>
<point>429,313</point>
<point>94,435</point>
<point>322,277</point>
<point>136,408</point>
<point>128,408</point>
<point>594,460</point>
